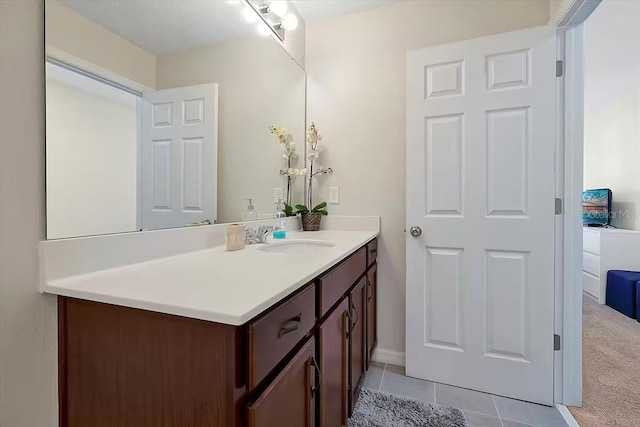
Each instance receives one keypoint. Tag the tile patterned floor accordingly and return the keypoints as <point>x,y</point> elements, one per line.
<point>481,409</point>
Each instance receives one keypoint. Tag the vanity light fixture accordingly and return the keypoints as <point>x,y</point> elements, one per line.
<point>275,14</point>
<point>289,22</point>
<point>270,16</point>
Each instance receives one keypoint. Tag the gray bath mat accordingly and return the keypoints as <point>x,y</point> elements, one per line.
<point>376,409</point>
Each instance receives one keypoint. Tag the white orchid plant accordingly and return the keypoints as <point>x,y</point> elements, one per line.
<point>290,156</point>
<point>313,139</point>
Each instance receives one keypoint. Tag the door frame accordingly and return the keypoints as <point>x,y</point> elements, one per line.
<point>568,19</point>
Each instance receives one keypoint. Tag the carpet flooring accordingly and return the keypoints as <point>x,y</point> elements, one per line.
<point>377,409</point>
<point>611,368</point>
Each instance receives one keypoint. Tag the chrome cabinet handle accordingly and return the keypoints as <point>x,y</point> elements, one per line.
<point>353,306</point>
<point>349,328</point>
<point>285,330</point>
<point>314,365</point>
<point>415,231</point>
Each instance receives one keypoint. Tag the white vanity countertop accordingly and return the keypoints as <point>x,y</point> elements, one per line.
<point>213,284</point>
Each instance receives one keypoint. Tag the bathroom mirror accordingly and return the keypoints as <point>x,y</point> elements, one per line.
<point>158,114</point>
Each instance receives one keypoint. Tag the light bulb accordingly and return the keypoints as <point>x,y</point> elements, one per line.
<point>279,7</point>
<point>290,22</point>
<point>249,15</point>
<point>263,29</point>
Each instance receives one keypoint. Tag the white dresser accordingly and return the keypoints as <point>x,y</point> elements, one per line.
<point>607,249</point>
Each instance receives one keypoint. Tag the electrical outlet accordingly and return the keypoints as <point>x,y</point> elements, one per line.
<point>278,194</point>
<point>334,195</point>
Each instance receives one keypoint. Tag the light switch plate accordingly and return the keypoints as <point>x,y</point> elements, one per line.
<point>334,195</point>
<point>278,194</point>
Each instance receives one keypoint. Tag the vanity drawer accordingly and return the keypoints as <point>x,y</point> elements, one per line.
<point>372,252</point>
<point>275,334</point>
<point>591,263</point>
<point>332,286</point>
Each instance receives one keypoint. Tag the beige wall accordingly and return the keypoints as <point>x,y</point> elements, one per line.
<point>356,95</point>
<point>612,107</point>
<point>79,38</point>
<point>259,86</point>
<point>28,349</point>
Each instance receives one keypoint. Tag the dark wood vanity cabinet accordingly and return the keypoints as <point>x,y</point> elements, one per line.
<point>274,334</point>
<point>124,367</point>
<point>335,284</point>
<point>333,355</point>
<point>289,400</point>
<point>372,326</point>
<point>357,338</point>
<point>298,364</point>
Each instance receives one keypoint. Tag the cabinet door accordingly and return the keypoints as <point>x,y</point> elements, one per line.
<point>357,304</point>
<point>332,354</point>
<point>289,400</point>
<point>371,311</point>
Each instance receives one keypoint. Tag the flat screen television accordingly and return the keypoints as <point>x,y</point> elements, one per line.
<point>596,207</point>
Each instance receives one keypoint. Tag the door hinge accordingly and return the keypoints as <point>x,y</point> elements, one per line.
<point>559,68</point>
<point>558,206</point>
<point>556,342</point>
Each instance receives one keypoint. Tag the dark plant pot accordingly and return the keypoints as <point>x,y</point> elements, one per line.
<point>311,221</point>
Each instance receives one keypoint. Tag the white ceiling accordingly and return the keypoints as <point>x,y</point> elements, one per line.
<point>315,10</point>
<point>162,27</point>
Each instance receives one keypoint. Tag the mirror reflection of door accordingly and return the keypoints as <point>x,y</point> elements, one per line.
<point>123,161</point>
<point>179,156</point>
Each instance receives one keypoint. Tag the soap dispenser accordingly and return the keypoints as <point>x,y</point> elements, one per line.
<point>250,214</point>
<point>281,222</point>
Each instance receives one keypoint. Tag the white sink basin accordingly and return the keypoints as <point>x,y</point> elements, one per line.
<point>299,246</point>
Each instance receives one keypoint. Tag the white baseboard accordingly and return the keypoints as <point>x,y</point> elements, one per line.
<point>568,417</point>
<point>381,355</point>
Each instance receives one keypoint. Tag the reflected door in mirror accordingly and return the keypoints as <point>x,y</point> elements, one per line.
<point>179,156</point>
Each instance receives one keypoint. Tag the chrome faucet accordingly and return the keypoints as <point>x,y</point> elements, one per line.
<point>259,235</point>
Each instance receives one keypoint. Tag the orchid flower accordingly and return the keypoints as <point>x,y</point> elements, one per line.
<point>313,138</point>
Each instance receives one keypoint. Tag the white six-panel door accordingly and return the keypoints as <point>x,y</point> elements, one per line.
<point>480,185</point>
<point>179,156</point>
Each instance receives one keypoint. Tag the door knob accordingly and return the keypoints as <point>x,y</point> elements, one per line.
<point>415,231</point>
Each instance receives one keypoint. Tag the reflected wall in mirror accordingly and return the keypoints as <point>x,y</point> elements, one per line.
<point>159,114</point>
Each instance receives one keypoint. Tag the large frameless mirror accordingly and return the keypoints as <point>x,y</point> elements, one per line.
<point>160,114</point>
